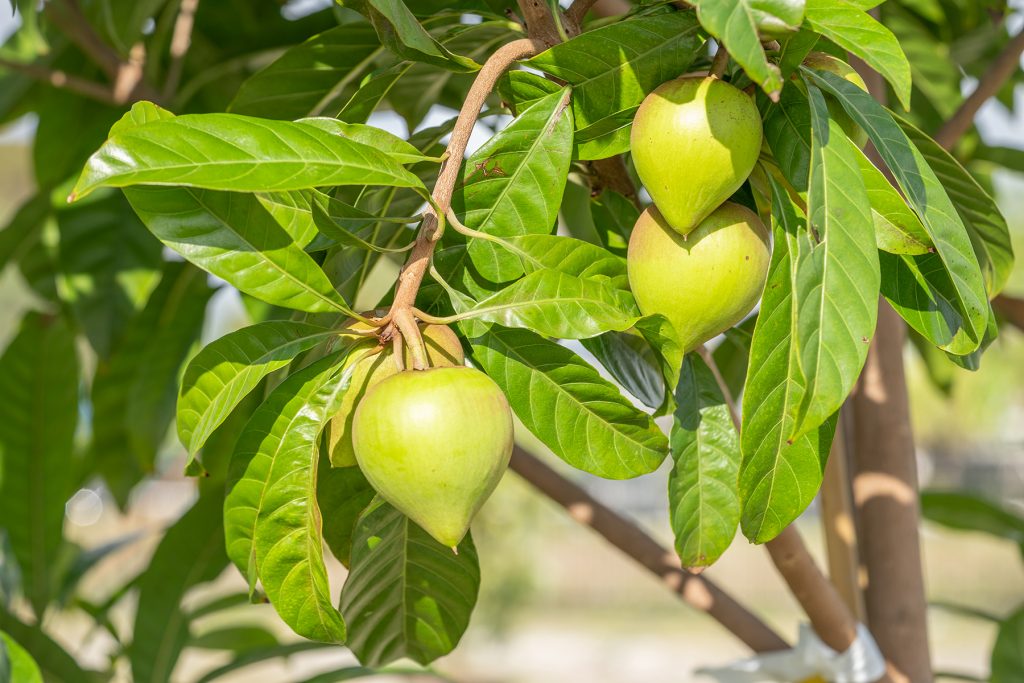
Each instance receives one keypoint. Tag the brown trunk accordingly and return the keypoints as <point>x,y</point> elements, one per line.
<point>839,524</point>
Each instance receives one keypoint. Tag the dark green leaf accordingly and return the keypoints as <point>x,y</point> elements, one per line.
<point>16,664</point>
<point>406,596</point>
<point>57,665</point>
<point>1008,652</point>
<point>898,230</point>
<point>970,512</point>
<point>237,639</point>
<point>124,20</point>
<point>342,493</point>
<point>161,625</point>
<point>23,228</point>
<point>312,78</point>
<point>631,361</point>
<point>855,30</point>
<point>403,34</point>
<point>38,414</point>
<point>787,130</point>
<point>704,503</point>
<point>580,416</point>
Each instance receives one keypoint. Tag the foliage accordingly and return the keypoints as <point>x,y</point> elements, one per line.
<point>264,175</point>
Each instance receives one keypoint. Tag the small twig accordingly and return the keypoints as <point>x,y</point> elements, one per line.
<point>578,11</point>
<point>611,173</point>
<point>181,41</point>
<point>1004,65</point>
<point>540,24</point>
<point>63,80</point>
<point>695,590</point>
<point>129,74</point>
<point>720,61</point>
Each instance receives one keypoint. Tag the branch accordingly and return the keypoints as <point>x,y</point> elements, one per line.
<point>540,25</point>
<point>695,590</point>
<point>1011,308</point>
<point>415,268</point>
<point>60,79</point>
<point>997,74</point>
<point>720,61</point>
<point>578,10</point>
<point>181,41</point>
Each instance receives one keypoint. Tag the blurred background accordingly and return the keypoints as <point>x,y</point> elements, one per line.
<point>557,603</point>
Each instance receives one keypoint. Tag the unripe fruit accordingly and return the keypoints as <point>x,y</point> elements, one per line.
<point>443,350</point>
<point>826,62</point>
<point>703,283</point>
<point>694,141</point>
<point>434,443</point>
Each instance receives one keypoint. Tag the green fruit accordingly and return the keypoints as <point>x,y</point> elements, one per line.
<point>694,141</point>
<point>443,350</point>
<point>705,282</point>
<point>826,62</point>
<point>434,443</point>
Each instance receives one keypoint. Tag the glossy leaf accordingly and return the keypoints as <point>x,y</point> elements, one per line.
<point>787,130</point>
<point>371,92</point>
<point>736,25</point>
<point>986,226</point>
<point>312,78</point>
<point>399,29</point>
<point>406,596</point>
<point>837,282</point>
<point>957,275</point>
<point>898,230</point>
<point>580,416</point>
<point>343,222</point>
<point>631,362</point>
<point>233,237</point>
<point>572,257</point>
<point>239,153</point>
<point>38,414</point>
<point>704,503</point>
<point>612,69</point>
<point>342,493</point>
<point>271,518</point>
<point>557,304</point>
<point>399,149</point>
<point>513,184</point>
<point>16,664</point>
<point>778,479</point>
<point>853,29</point>
<point>227,369</point>
<point>161,625</point>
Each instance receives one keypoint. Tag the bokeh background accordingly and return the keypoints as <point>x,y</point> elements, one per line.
<point>557,603</point>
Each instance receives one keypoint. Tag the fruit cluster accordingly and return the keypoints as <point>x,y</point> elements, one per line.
<point>694,257</point>
<point>433,443</point>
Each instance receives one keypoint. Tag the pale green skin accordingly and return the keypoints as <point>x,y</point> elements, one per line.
<point>443,350</point>
<point>435,443</point>
<point>705,282</point>
<point>826,62</point>
<point>694,141</point>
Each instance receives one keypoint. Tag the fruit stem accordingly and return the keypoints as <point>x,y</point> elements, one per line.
<point>720,61</point>
<point>405,322</point>
<point>397,351</point>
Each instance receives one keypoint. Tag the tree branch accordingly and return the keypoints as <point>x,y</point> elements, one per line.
<point>540,25</point>
<point>411,277</point>
<point>1010,308</point>
<point>181,41</point>
<point>995,77</point>
<point>60,79</point>
<point>695,590</point>
<point>578,10</point>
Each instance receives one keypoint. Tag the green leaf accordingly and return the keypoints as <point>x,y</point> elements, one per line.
<point>227,369</point>
<point>397,148</point>
<point>38,414</point>
<point>572,257</point>
<point>190,553</point>
<point>403,35</point>
<point>23,229</point>
<point>612,69</point>
<point>271,518</point>
<point>237,639</point>
<point>342,493</point>
<point>986,226</point>
<point>232,236</point>
<point>898,230</point>
<point>513,184</point>
<point>406,595</point>
<point>631,362</point>
<point>108,265</point>
<point>292,212</point>
<point>777,479</point>
<point>704,503</point>
<point>312,78</point>
<point>735,24</point>
<point>17,665</point>
<point>340,222</point>
<point>371,93</point>
<point>837,281</point>
<point>240,153</point>
<point>955,267</point>
<point>970,512</point>
<point>853,29</point>
<point>564,402</point>
<point>1008,652</point>
<point>57,665</point>
<point>134,391</point>
<point>787,130</point>
<point>125,20</point>
<point>248,658</point>
<point>557,304</point>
